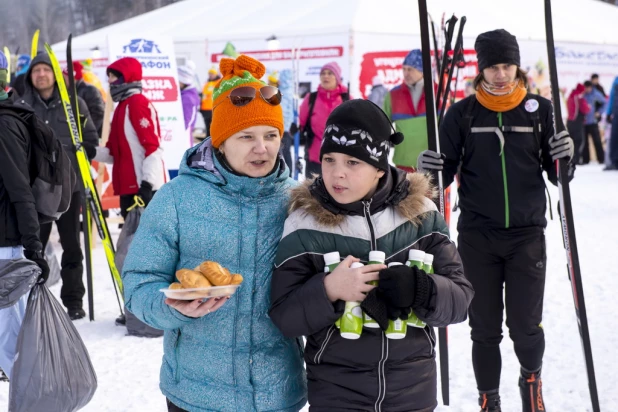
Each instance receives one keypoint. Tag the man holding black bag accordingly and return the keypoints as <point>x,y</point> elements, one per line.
<point>19,224</point>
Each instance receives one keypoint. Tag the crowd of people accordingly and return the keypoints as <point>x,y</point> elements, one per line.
<point>235,203</point>
<point>588,106</point>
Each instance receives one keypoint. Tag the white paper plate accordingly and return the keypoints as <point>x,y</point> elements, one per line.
<point>200,293</point>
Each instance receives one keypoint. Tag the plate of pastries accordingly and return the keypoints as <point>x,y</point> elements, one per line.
<point>208,280</point>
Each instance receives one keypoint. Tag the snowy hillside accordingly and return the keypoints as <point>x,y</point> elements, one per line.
<point>128,367</point>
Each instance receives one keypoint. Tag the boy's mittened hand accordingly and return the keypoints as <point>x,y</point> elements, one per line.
<point>376,308</point>
<point>398,313</point>
<point>398,285</point>
<point>405,287</point>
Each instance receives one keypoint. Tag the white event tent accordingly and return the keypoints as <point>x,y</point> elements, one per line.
<point>362,29</point>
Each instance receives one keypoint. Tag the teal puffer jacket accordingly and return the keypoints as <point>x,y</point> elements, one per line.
<point>234,359</point>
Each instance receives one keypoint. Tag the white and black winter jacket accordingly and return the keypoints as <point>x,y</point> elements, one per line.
<point>372,373</point>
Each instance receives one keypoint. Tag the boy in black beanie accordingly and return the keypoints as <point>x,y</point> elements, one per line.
<point>362,204</point>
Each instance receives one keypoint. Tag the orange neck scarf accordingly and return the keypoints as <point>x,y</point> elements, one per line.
<point>501,99</point>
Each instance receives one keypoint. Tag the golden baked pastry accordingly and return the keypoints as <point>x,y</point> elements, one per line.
<point>175,285</point>
<point>215,273</point>
<point>236,279</point>
<point>192,279</point>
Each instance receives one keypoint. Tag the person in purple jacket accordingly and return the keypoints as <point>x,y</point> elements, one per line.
<point>190,98</point>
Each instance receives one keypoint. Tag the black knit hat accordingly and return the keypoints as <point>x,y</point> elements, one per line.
<point>359,128</point>
<point>496,47</point>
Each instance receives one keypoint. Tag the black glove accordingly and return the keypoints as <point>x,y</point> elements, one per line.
<point>38,258</point>
<point>91,151</point>
<point>293,129</point>
<point>145,192</point>
<point>405,287</point>
<point>429,160</point>
<point>375,306</point>
<point>561,146</point>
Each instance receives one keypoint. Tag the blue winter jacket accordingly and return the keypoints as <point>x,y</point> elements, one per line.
<point>234,359</point>
<point>594,97</point>
<point>611,107</point>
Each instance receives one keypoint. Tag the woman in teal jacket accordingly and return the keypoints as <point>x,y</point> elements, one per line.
<point>228,205</point>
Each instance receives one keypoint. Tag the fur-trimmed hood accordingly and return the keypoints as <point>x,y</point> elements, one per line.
<point>411,207</point>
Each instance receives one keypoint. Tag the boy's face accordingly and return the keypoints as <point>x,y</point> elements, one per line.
<point>348,179</point>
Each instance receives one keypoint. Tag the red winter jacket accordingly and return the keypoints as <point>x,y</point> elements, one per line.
<point>134,144</point>
<point>576,103</point>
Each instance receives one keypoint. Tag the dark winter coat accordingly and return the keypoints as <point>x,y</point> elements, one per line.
<point>19,84</point>
<point>53,114</point>
<point>19,223</point>
<point>93,99</point>
<point>372,373</point>
<point>501,184</point>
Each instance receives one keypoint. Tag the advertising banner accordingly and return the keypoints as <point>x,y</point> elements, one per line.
<point>313,53</point>
<point>160,83</point>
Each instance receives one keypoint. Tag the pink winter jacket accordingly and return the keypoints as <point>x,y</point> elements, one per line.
<point>326,102</point>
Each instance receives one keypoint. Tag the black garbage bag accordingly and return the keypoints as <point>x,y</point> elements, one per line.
<point>135,327</point>
<point>54,266</point>
<point>53,372</point>
<point>17,276</point>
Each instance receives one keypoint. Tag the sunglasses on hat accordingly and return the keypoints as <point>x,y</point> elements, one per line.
<point>242,96</point>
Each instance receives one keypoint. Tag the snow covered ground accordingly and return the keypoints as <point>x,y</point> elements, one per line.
<point>128,367</point>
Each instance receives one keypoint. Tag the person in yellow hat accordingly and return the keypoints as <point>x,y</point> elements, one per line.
<point>227,205</point>
<point>273,79</point>
<point>207,92</point>
<point>89,77</point>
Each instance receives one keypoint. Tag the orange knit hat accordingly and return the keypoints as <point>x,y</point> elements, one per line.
<point>228,119</point>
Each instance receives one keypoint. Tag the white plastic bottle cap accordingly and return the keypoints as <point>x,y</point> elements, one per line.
<point>416,255</point>
<point>331,258</point>
<point>377,256</point>
<point>428,259</point>
<point>356,265</point>
<point>390,265</point>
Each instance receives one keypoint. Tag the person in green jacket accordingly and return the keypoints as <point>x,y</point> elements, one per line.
<point>405,106</point>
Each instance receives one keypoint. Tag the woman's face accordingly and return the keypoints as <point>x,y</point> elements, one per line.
<point>500,75</point>
<point>348,179</point>
<point>253,151</point>
<point>328,79</point>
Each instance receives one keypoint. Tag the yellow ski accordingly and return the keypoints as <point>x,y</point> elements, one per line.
<point>7,53</point>
<point>84,168</point>
<point>35,44</point>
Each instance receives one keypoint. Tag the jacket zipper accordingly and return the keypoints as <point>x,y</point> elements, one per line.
<point>504,180</point>
<point>177,352</point>
<point>367,212</point>
<point>382,375</point>
<point>318,356</point>
<point>384,357</point>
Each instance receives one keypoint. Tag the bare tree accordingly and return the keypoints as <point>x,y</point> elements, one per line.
<point>57,18</point>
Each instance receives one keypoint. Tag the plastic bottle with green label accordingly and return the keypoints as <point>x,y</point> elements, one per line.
<point>416,258</point>
<point>375,257</point>
<point>428,263</point>
<point>397,328</point>
<point>331,261</point>
<point>352,320</point>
